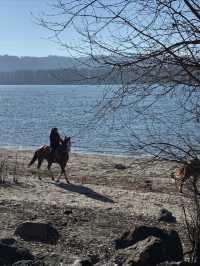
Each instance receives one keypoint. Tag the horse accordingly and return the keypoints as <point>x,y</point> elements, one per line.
<point>190,168</point>
<point>61,157</point>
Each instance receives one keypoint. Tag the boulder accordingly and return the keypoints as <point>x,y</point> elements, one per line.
<point>148,252</point>
<point>166,216</point>
<point>55,260</point>
<point>37,231</point>
<point>8,241</point>
<point>10,254</point>
<point>28,263</point>
<point>170,238</point>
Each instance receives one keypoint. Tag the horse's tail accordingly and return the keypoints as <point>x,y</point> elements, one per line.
<point>35,157</point>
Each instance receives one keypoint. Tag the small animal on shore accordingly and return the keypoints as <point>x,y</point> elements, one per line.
<point>190,168</point>
<point>60,157</point>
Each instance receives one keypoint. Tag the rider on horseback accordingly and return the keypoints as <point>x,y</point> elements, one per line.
<point>55,140</point>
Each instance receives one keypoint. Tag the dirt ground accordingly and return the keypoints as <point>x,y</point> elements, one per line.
<point>100,202</point>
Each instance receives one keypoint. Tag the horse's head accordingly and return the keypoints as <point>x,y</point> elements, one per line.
<point>67,143</point>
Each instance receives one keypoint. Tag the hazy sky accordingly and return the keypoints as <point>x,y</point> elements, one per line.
<point>19,34</point>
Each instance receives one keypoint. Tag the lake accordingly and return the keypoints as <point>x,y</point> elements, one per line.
<point>28,112</point>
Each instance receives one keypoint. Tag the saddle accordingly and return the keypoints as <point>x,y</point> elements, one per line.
<point>54,153</point>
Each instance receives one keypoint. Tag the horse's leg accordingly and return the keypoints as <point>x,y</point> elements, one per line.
<point>182,182</point>
<point>49,168</point>
<point>63,172</point>
<point>38,167</point>
<point>66,178</point>
<point>58,179</point>
<point>181,186</point>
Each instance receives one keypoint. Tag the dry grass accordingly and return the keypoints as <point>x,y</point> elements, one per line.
<point>3,170</point>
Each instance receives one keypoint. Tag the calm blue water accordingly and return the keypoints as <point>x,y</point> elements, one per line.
<point>28,112</point>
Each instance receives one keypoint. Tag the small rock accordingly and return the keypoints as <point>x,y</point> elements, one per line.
<point>64,223</point>
<point>67,212</point>
<point>34,217</point>
<point>120,166</point>
<point>148,184</point>
<point>82,262</point>
<point>166,216</point>
<point>37,231</point>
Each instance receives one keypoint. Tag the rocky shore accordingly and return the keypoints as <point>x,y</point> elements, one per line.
<point>106,197</point>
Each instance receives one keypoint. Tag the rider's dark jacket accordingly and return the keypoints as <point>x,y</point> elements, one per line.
<point>55,140</point>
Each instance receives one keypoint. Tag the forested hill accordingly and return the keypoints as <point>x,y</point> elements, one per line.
<point>58,76</point>
<point>14,63</point>
<point>47,70</point>
<point>84,70</point>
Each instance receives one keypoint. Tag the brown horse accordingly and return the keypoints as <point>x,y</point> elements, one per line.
<point>61,157</point>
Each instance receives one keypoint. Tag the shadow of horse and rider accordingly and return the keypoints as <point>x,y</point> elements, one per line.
<point>58,152</point>
<point>86,191</point>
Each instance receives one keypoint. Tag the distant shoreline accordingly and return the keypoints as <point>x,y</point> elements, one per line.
<point>61,84</point>
<point>28,84</point>
<point>73,152</point>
